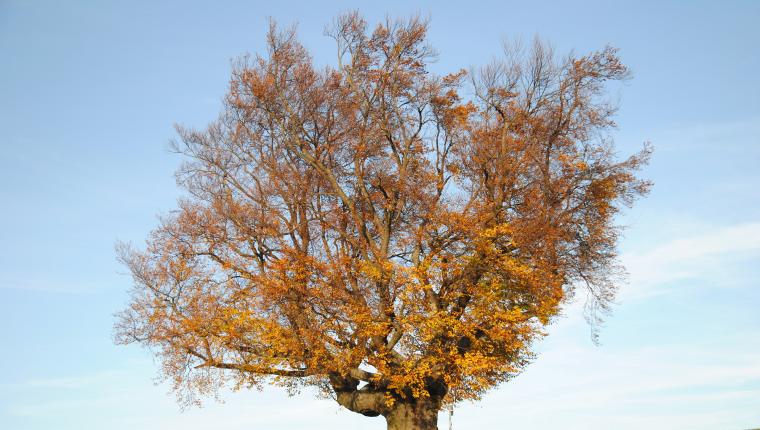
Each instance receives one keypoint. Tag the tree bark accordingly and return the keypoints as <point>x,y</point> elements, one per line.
<point>420,414</point>
<point>406,413</point>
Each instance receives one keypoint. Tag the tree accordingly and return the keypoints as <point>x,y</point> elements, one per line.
<point>370,230</point>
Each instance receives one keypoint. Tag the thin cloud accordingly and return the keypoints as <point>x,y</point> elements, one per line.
<point>605,388</point>
<point>48,286</point>
<point>694,257</point>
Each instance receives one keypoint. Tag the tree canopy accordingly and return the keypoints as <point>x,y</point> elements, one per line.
<point>397,238</point>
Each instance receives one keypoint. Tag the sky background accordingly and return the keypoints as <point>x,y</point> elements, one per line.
<point>89,92</point>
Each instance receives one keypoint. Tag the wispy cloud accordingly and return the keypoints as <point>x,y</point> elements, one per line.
<point>736,135</point>
<point>656,387</point>
<point>707,256</point>
<point>67,382</point>
<point>127,399</point>
<point>48,286</point>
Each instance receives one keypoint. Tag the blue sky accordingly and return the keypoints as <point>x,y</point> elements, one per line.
<point>89,92</point>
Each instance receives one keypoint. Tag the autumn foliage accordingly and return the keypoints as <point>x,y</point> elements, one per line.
<point>396,238</point>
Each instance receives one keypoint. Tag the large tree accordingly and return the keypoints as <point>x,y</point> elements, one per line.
<point>396,238</point>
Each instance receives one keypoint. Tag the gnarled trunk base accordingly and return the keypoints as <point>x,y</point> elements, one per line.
<point>418,415</point>
<point>406,413</point>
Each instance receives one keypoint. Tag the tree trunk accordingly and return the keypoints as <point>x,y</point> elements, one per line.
<point>417,415</point>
